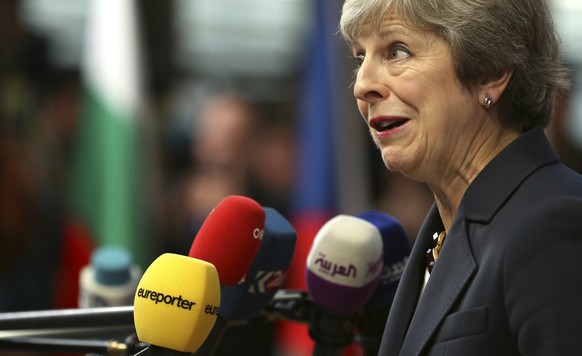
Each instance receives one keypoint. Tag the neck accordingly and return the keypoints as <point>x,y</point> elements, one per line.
<point>450,187</point>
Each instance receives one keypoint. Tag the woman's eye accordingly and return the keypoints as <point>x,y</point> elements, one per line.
<point>359,60</point>
<point>398,52</point>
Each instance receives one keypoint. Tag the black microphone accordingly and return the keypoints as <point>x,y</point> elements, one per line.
<point>370,324</point>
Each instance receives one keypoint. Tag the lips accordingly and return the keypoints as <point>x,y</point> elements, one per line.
<point>383,124</point>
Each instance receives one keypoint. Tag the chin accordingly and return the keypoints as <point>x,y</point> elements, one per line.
<point>393,166</point>
<point>397,165</point>
<point>392,159</point>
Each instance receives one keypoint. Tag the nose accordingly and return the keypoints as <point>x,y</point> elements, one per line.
<point>368,86</point>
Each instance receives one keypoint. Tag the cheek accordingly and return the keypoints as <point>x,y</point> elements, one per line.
<point>363,108</point>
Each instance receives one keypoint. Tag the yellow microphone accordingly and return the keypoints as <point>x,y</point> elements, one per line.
<point>176,303</point>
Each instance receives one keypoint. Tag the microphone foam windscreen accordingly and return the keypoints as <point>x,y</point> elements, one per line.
<point>267,273</point>
<point>176,302</point>
<point>344,264</point>
<point>396,252</point>
<point>230,237</point>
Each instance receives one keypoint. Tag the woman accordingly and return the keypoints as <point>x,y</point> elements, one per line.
<point>456,94</point>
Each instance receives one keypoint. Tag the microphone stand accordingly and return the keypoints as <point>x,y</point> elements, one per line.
<point>104,333</point>
<point>57,345</point>
<point>153,350</point>
<point>63,318</point>
<point>64,330</point>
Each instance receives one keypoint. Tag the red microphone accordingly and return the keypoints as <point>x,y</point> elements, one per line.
<point>230,237</point>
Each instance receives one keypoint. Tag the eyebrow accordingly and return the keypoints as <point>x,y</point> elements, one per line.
<point>382,34</point>
<point>386,33</point>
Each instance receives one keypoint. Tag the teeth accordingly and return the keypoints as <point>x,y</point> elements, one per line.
<point>385,124</point>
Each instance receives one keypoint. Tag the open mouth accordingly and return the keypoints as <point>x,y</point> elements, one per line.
<point>385,125</point>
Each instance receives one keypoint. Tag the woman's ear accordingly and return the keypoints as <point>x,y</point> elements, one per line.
<point>491,88</point>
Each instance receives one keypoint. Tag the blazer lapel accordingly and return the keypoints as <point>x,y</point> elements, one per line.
<point>409,287</point>
<point>450,274</point>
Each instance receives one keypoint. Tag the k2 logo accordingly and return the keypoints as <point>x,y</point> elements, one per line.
<point>267,281</point>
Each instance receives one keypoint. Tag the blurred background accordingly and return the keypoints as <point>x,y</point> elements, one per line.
<point>124,123</point>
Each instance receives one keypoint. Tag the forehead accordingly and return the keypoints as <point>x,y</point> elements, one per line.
<point>389,23</point>
<point>393,25</point>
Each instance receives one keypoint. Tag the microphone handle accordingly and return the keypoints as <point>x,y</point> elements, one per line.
<point>370,325</point>
<point>321,349</point>
<point>212,342</point>
<point>331,333</point>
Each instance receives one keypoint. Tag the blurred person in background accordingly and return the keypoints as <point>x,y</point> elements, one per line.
<point>220,151</point>
<point>272,164</point>
<point>456,94</point>
<point>233,149</point>
<point>569,149</point>
<point>217,165</point>
<point>30,208</point>
<point>30,233</point>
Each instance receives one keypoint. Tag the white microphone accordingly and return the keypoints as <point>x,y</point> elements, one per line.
<point>343,271</point>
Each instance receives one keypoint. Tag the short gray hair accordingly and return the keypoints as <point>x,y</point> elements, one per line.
<point>485,37</point>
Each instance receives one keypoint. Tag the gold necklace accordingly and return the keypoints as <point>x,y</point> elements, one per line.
<point>437,249</point>
<point>433,253</point>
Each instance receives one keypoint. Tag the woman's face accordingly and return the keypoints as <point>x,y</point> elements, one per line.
<point>418,113</point>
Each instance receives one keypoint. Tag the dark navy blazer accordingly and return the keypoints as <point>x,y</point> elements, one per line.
<point>508,280</point>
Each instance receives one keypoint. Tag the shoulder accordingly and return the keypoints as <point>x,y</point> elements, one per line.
<point>551,193</point>
<point>544,220</point>
<point>540,221</point>
<point>541,267</point>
